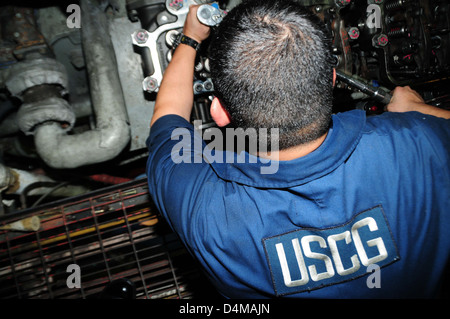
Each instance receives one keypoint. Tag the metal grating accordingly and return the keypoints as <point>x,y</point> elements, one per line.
<point>110,234</point>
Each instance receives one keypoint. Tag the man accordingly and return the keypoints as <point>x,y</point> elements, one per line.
<point>358,207</point>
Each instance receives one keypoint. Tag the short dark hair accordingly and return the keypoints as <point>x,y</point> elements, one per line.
<point>271,68</point>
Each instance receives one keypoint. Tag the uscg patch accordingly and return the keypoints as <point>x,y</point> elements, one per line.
<point>308,258</point>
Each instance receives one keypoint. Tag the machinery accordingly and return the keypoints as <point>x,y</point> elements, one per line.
<point>78,82</point>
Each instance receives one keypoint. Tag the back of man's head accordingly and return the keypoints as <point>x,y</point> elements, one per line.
<point>271,68</point>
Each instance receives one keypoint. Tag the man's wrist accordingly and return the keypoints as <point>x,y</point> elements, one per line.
<point>419,107</point>
<point>187,40</point>
<point>192,36</point>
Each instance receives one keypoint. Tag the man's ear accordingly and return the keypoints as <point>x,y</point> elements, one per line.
<point>334,76</point>
<point>219,114</point>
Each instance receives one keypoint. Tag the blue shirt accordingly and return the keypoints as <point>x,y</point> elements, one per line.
<point>365,215</point>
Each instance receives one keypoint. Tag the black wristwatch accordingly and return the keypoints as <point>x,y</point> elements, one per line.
<point>181,38</point>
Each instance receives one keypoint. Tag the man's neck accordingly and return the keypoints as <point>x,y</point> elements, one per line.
<point>295,151</point>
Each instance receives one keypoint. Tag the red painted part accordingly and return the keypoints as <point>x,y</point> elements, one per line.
<point>108,179</point>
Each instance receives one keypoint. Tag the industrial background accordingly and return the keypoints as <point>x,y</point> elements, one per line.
<point>78,81</point>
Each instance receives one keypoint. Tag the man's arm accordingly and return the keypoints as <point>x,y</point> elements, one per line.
<point>176,94</point>
<point>404,99</point>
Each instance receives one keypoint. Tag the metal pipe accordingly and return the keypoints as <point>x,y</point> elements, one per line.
<point>112,132</point>
<point>81,107</point>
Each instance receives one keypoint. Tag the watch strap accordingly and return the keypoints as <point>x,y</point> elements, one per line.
<point>181,38</point>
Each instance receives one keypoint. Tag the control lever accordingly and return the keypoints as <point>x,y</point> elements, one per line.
<point>376,93</point>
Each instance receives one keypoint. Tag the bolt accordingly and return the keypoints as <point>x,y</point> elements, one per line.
<point>353,33</point>
<point>208,85</point>
<point>343,3</point>
<point>176,4</point>
<point>198,87</point>
<point>381,40</point>
<point>150,84</point>
<point>171,36</point>
<point>141,36</point>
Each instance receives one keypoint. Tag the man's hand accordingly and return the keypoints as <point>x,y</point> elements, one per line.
<point>405,99</point>
<point>193,28</point>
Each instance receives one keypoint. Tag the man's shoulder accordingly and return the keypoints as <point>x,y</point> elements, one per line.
<point>164,129</point>
<point>409,125</point>
<point>391,120</point>
<point>414,136</point>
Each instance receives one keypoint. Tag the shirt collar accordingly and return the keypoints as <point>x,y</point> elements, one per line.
<point>341,140</point>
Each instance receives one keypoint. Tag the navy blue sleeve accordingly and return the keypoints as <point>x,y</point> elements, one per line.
<point>421,127</point>
<point>176,170</point>
<point>416,150</point>
<point>436,132</point>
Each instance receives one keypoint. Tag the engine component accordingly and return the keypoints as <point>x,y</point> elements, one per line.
<point>418,33</point>
<point>388,43</point>
<point>40,83</point>
<point>32,80</point>
<point>53,109</point>
<point>162,21</point>
<point>203,86</point>
<point>20,35</point>
<point>148,40</point>
<point>35,72</point>
<point>210,14</point>
<point>60,150</point>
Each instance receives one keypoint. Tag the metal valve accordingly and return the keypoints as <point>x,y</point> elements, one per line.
<point>210,14</point>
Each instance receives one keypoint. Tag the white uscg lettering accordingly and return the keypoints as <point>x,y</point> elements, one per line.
<point>378,242</point>
<point>313,258</point>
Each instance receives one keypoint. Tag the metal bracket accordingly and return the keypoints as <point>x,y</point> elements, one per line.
<point>145,39</point>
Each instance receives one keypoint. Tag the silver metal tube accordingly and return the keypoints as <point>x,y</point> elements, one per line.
<point>112,132</point>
